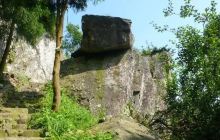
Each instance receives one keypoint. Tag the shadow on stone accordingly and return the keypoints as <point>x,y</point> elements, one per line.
<point>26,98</point>
<point>90,62</point>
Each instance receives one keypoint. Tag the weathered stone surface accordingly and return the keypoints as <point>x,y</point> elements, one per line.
<point>124,129</point>
<point>35,62</point>
<point>22,138</point>
<point>13,125</point>
<point>32,133</point>
<point>117,83</point>
<point>105,33</point>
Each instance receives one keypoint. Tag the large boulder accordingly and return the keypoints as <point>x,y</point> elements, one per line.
<point>105,33</point>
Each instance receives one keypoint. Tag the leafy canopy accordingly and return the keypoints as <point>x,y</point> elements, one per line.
<point>72,39</point>
<point>32,18</point>
<point>193,98</point>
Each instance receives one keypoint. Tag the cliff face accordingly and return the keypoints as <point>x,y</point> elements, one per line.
<point>35,62</point>
<point>117,83</point>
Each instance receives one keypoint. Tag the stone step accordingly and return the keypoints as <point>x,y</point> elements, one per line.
<point>15,126</point>
<point>13,116</point>
<point>20,133</point>
<point>13,121</point>
<point>20,126</point>
<point>32,133</point>
<point>22,138</point>
<point>21,103</point>
<point>14,110</point>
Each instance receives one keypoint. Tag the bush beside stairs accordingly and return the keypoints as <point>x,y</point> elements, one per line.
<point>13,125</point>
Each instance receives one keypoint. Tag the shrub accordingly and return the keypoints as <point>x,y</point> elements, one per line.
<point>71,122</point>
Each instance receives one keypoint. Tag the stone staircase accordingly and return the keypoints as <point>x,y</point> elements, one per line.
<point>13,125</point>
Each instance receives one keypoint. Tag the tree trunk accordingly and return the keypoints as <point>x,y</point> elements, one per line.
<point>61,8</point>
<point>7,49</point>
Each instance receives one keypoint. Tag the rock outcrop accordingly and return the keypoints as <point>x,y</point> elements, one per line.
<point>117,82</point>
<point>104,33</point>
<point>34,62</point>
<point>124,129</point>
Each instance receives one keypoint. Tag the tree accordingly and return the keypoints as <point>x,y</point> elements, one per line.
<point>72,39</point>
<point>61,7</point>
<point>30,19</point>
<point>193,99</point>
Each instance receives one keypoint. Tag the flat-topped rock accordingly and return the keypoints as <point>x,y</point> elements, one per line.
<point>105,33</point>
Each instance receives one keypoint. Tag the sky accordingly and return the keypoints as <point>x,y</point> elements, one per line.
<point>141,13</point>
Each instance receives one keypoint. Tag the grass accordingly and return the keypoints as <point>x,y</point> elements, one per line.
<point>72,122</point>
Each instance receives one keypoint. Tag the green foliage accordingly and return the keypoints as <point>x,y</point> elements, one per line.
<point>30,18</point>
<point>30,27</point>
<point>72,39</point>
<point>189,10</point>
<point>193,99</point>
<point>152,51</point>
<point>71,122</point>
<point>36,21</point>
